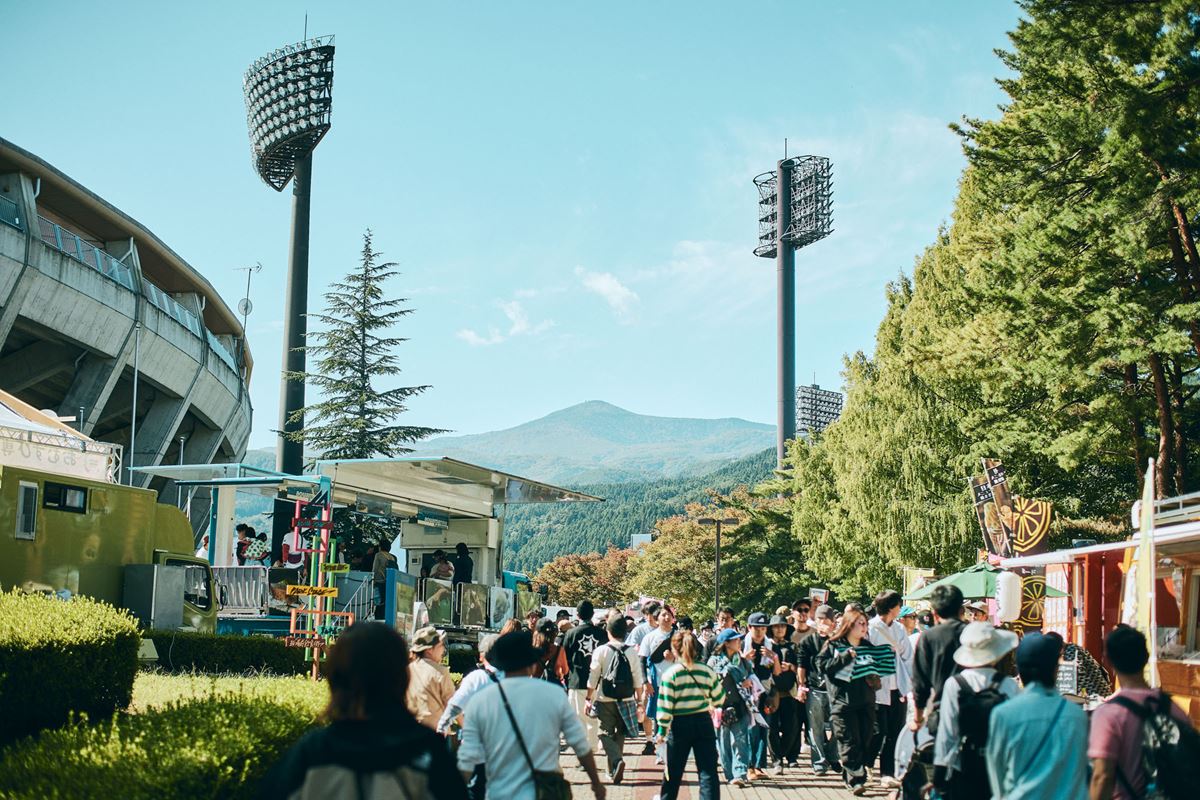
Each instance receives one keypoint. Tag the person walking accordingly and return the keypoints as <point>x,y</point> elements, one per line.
<point>735,672</point>
<point>725,621</point>
<point>933,660</point>
<point>655,652</point>
<point>373,747</point>
<point>578,645</point>
<point>891,704</point>
<point>1037,742</point>
<point>615,694</point>
<point>822,749</point>
<point>852,700</point>
<point>429,684</point>
<point>967,702</point>
<point>472,683</point>
<point>785,722</point>
<point>687,692</point>
<point>513,728</point>
<point>758,650</point>
<point>800,616</point>
<point>1116,741</point>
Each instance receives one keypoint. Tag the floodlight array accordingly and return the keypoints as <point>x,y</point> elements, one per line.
<point>289,102</point>
<point>816,408</point>
<point>811,205</point>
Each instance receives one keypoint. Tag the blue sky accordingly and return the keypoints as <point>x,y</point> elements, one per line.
<point>566,185</point>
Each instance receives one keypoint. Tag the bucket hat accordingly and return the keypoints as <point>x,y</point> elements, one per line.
<point>426,638</point>
<point>982,645</point>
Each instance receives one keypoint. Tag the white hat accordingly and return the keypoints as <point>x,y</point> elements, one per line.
<point>982,645</point>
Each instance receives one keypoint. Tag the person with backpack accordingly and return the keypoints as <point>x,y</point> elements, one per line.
<point>814,693</point>
<point>614,694</point>
<point>967,700</point>
<point>1037,742</point>
<point>852,700</point>
<point>1141,744</point>
<point>735,715</point>
<point>687,692</point>
<point>578,645</point>
<point>933,659</point>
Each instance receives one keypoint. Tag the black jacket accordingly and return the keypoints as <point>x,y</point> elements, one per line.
<point>933,661</point>
<point>856,693</point>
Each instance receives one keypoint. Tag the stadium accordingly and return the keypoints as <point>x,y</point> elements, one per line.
<point>101,321</point>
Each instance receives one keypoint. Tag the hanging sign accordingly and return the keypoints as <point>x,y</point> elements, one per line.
<point>334,567</point>
<point>312,591</point>
<point>313,642</point>
<point>433,521</point>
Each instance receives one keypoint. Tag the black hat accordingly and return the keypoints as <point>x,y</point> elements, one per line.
<point>778,619</point>
<point>513,651</point>
<point>757,620</point>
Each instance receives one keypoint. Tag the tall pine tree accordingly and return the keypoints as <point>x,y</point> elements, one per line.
<point>354,418</point>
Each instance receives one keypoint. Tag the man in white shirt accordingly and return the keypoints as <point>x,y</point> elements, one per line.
<point>513,727</point>
<point>617,716</point>
<point>891,699</point>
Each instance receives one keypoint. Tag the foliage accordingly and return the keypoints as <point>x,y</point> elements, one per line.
<point>1052,325</point>
<point>354,419</point>
<point>574,577</point>
<point>60,657</point>
<point>186,651</point>
<point>219,744</point>
<point>155,688</point>
<point>535,535</point>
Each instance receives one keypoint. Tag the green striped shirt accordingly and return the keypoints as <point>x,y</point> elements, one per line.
<point>685,691</point>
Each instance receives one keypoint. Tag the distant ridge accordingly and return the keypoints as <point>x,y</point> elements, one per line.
<point>598,442</point>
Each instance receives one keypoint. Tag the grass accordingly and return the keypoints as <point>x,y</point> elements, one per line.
<point>153,689</point>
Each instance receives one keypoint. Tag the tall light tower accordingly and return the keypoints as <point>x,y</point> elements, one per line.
<point>795,209</point>
<point>289,100</point>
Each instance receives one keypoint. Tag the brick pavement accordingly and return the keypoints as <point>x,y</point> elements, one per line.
<point>642,779</point>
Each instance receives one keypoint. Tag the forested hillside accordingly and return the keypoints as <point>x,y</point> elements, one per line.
<point>536,534</point>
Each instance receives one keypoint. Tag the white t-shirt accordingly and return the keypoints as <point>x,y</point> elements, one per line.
<point>543,714</point>
<point>294,543</point>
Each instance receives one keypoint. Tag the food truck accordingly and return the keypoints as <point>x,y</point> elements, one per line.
<point>439,503</point>
<point>1097,580</point>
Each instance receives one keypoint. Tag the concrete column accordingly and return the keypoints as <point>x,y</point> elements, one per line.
<point>20,288</point>
<point>157,430</point>
<point>93,384</point>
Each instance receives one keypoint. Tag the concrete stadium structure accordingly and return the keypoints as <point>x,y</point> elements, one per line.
<point>76,277</point>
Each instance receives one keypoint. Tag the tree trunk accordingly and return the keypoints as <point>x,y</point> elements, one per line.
<point>1189,243</point>
<point>1137,429</point>
<point>1166,427</point>
<point>1180,444</point>
<point>1185,280</point>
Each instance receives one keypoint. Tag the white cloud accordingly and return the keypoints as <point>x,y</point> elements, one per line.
<point>620,298</point>
<point>518,325</point>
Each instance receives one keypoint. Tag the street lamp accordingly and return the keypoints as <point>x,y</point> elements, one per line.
<point>717,570</point>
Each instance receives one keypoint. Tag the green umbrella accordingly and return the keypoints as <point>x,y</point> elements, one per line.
<point>976,583</point>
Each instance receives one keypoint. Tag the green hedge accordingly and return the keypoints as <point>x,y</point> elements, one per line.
<point>59,657</point>
<point>223,654</point>
<point>215,746</point>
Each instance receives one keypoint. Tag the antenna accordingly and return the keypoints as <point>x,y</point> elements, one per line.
<point>305,39</point>
<point>785,148</point>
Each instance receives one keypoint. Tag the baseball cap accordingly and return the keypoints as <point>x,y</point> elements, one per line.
<point>824,612</point>
<point>757,620</point>
<point>727,634</point>
<point>907,611</point>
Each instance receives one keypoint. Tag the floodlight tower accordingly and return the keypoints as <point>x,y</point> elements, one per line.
<point>289,100</point>
<point>795,209</point>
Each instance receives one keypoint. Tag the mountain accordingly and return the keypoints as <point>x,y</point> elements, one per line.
<point>535,534</point>
<point>597,442</point>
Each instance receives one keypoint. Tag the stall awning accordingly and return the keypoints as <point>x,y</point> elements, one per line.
<point>242,477</point>
<point>409,485</point>
<point>1173,540</point>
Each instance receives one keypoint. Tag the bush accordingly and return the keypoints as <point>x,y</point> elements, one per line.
<point>218,745</point>
<point>58,657</point>
<point>184,651</point>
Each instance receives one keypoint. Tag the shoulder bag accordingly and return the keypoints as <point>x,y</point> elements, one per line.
<point>547,785</point>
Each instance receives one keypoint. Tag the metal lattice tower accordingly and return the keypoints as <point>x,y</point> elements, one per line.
<point>816,409</point>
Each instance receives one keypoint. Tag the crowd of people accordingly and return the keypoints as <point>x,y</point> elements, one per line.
<point>926,704</point>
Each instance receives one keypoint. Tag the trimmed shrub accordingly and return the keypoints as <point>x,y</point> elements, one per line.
<point>59,657</point>
<point>215,746</point>
<point>185,651</point>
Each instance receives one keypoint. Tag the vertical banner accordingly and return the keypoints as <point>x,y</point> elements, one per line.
<point>1001,512</point>
<point>1141,567</point>
<point>1030,527</point>
<point>994,538</point>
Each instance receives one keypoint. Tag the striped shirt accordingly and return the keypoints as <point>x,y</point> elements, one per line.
<point>687,690</point>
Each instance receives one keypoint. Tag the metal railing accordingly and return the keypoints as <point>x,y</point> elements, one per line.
<point>63,240</point>
<point>61,453</point>
<point>10,212</point>
<point>72,245</point>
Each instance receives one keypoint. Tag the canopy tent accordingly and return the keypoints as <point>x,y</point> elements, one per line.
<point>976,583</point>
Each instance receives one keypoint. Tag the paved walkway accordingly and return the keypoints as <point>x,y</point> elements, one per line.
<point>642,778</point>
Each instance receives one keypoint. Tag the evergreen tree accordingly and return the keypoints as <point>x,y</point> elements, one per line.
<point>355,418</point>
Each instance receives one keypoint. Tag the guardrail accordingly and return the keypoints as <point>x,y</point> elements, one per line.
<point>63,240</point>
<point>72,245</point>
<point>10,212</point>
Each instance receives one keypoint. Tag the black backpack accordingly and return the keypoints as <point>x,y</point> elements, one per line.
<point>975,709</point>
<point>617,680</point>
<point>1170,750</point>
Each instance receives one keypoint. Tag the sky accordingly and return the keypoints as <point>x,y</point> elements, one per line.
<point>566,186</point>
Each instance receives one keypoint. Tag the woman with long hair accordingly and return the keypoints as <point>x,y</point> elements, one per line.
<point>735,672</point>
<point>372,747</point>
<point>553,664</point>
<point>852,700</point>
<point>686,693</point>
